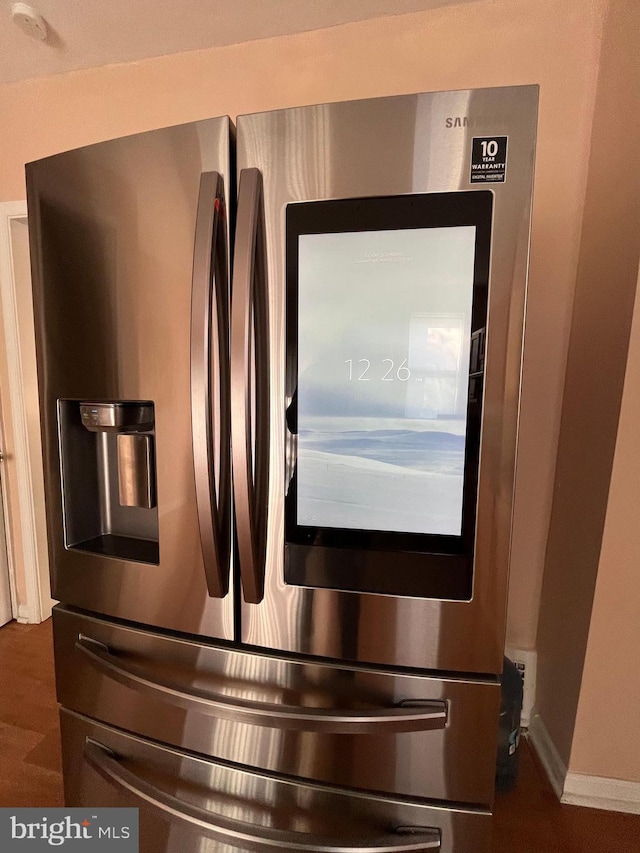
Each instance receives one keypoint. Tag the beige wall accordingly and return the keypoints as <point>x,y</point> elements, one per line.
<point>493,43</point>
<point>607,731</point>
<point>604,299</point>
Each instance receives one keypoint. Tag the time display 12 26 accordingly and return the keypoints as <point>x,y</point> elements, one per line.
<point>361,370</point>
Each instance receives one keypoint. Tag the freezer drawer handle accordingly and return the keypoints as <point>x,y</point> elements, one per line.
<point>210,418</point>
<point>250,385</point>
<point>249,836</point>
<point>409,716</point>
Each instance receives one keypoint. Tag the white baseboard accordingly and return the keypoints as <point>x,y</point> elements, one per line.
<point>548,754</point>
<point>24,615</point>
<point>599,792</point>
<point>577,789</point>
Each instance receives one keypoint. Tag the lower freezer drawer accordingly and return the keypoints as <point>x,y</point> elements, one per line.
<point>192,804</point>
<point>405,734</point>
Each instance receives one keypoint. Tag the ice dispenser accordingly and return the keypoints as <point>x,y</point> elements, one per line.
<point>109,477</point>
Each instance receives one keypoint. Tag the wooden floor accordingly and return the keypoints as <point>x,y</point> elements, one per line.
<point>29,742</point>
<point>529,819</point>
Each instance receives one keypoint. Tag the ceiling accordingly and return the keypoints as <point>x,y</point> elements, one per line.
<point>91,33</point>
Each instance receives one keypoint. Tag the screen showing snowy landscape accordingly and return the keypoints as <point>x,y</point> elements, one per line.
<point>384,323</point>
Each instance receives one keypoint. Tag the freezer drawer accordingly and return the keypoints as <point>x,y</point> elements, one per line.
<point>191,804</point>
<point>367,729</point>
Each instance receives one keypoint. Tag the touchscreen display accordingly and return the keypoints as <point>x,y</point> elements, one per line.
<point>384,321</point>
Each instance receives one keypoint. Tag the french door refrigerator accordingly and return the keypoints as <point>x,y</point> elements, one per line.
<point>279,423</point>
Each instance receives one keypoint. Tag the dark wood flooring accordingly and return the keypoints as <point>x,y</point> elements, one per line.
<point>531,819</point>
<point>528,819</point>
<point>30,760</point>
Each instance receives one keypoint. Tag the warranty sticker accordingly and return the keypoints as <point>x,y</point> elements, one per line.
<point>488,160</point>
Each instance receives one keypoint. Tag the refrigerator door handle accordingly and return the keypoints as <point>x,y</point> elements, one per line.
<point>246,835</point>
<point>410,715</point>
<point>250,385</point>
<point>210,383</point>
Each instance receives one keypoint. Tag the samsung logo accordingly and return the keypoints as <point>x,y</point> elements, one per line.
<point>473,121</point>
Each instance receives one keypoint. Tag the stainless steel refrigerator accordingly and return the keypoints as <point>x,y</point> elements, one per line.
<point>279,373</point>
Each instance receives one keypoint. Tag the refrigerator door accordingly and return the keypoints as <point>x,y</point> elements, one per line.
<point>190,803</point>
<point>386,605</point>
<point>130,252</point>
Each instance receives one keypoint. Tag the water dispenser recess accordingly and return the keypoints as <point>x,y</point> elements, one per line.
<point>108,471</point>
<point>135,470</point>
<point>123,416</point>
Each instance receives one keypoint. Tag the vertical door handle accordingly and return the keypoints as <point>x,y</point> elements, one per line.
<point>250,385</point>
<point>210,383</point>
